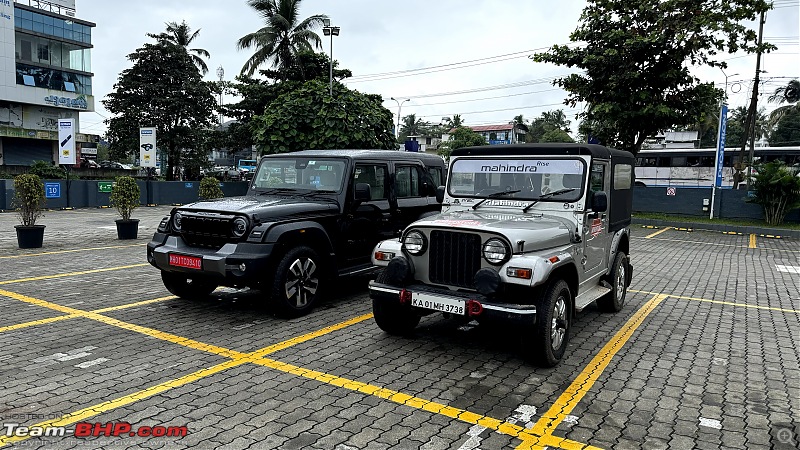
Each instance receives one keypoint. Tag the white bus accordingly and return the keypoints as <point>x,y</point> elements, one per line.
<point>688,167</point>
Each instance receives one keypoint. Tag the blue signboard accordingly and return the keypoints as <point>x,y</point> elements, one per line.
<point>723,123</point>
<point>189,185</point>
<point>52,190</point>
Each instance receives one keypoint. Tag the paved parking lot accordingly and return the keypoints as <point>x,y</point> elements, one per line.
<point>705,354</point>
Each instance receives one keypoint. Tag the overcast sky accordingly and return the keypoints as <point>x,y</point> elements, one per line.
<point>379,37</point>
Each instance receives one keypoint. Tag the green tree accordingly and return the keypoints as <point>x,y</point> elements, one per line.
<point>461,137</point>
<point>283,36</point>
<point>309,118</point>
<point>777,190</point>
<point>452,123</point>
<point>162,89</point>
<point>787,130</point>
<point>636,61</point>
<point>789,94</point>
<point>412,126</point>
<point>182,36</point>
<point>549,121</point>
<point>556,135</point>
<point>734,132</point>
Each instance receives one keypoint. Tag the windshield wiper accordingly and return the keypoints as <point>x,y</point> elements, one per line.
<point>549,194</point>
<point>271,191</point>
<point>494,195</point>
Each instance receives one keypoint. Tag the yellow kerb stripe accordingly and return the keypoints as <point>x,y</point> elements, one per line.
<point>570,398</point>
<point>72,274</point>
<point>657,233</point>
<point>31,255</point>
<point>752,241</point>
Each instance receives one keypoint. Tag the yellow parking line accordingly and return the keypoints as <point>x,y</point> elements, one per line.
<point>73,316</point>
<point>718,244</point>
<point>422,404</point>
<point>30,255</point>
<point>72,274</point>
<point>752,240</point>
<point>720,302</point>
<point>657,233</point>
<point>238,359</point>
<point>570,398</point>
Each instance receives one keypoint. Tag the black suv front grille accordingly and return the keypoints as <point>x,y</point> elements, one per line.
<point>454,258</point>
<point>207,232</point>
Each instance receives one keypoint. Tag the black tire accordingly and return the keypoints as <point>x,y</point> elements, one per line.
<point>555,315</point>
<point>187,287</point>
<point>297,282</point>
<point>393,318</point>
<point>615,300</point>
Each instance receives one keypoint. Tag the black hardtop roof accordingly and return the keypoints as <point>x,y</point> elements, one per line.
<point>363,154</point>
<point>597,151</point>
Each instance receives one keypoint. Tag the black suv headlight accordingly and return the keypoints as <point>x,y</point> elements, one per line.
<point>176,221</point>
<point>239,226</point>
<point>415,243</point>
<point>496,251</point>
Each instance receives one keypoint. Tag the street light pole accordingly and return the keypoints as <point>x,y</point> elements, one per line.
<point>720,153</point>
<point>331,31</point>
<point>399,108</point>
<point>221,75</point>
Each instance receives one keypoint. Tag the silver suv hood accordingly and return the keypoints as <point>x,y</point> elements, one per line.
<point>538,231</point>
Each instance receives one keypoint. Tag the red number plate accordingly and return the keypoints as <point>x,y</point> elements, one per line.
<point>191,262</point>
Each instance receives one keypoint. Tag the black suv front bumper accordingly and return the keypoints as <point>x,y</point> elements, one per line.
<point>225,264</point>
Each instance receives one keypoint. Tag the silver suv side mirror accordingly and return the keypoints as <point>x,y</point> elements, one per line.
<point>599,202</point>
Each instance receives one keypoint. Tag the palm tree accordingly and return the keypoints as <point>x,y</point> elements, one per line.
<point>412,126</point>
<point>283,35</point>
<point>181,35</point>
<point>785,94</point>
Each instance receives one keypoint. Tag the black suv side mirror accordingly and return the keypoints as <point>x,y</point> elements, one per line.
<point>599,202</point>
<point>363,192</point>
<point>440,194</point>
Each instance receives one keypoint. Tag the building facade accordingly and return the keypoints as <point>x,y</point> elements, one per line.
<point>45,75</point>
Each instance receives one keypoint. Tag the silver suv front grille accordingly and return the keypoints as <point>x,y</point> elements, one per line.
<point>454,258</point>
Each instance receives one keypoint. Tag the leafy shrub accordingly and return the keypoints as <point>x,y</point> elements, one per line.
<point>47,171</point>
<point>28,198</point>
<point>777,190</point>
<point>209,188</point>
<point>125,196</point>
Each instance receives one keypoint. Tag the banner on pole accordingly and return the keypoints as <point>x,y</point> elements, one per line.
<point>147,147</point>
<point>723,121</point>
<point>66,141</point>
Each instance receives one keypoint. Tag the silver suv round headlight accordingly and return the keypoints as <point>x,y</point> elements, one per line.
<point>496,251</point>
<point>239,226</point>
<point>176,221</point>
<point>415,243</point>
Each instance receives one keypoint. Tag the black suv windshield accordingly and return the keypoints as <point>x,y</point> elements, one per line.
<point>521,178</point>
<point>302,174</point>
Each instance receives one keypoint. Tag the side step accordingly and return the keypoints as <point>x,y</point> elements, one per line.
<point>590,295</point>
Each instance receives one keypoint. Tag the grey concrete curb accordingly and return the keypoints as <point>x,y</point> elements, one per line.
<point>720,227</point>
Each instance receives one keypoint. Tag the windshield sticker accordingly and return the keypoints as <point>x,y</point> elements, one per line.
<point>562,166</point>
<point>513,203</point>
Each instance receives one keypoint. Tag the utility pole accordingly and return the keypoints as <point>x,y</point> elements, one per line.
<point>750,123</point>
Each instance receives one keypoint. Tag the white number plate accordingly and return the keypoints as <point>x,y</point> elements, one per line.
<point>436,303</point>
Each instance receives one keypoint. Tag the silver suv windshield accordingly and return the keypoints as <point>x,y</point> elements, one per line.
<point>520,178</point>
<point>300,174</point>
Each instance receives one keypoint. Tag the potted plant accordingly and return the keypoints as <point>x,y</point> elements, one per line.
<point>209,189</point>
<point>29,203</point>
<point>125,198</point>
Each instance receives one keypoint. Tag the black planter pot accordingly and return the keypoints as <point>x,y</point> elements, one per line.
<point>127,229</point>
<point>30,237</point>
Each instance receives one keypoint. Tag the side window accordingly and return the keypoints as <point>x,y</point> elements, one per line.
<point>597,181</point>
<point>622,176</point>
<point>375,176</point>
<point>436,174</point>
<point>407,181</point>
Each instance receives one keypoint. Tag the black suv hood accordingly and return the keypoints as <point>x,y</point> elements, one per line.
<point>266,207</point>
